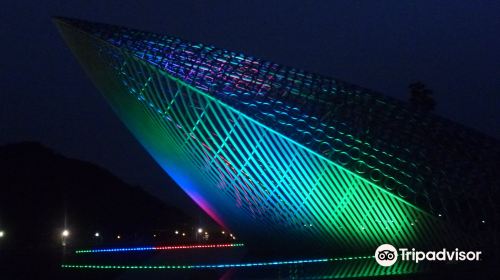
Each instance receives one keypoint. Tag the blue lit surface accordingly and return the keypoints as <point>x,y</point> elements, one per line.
<point>281,154</point>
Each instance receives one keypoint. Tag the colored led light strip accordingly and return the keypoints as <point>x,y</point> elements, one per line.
<point>176,247</point>
<point>212,266</point>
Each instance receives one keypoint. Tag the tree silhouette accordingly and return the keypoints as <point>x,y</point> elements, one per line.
<point>421,98</point>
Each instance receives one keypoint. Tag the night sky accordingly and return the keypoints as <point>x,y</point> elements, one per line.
<point>452,46</point>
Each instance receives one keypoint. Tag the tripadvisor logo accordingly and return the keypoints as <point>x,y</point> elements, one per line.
<point>387,255</point>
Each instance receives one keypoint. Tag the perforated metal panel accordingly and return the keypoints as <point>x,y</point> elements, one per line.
<point>280,154</point>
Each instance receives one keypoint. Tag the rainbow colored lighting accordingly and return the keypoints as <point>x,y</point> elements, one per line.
<point>277,154</point>
<point>175,247</point>
<point>212,266</point>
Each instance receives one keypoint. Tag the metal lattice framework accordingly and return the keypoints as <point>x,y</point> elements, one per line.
<point>271,151</point>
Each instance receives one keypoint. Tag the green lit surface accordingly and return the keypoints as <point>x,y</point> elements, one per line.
<point>246,175</point>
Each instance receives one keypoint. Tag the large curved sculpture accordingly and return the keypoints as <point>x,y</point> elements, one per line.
<point>280,155</point>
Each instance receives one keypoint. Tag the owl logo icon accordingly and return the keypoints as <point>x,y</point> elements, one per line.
<point>386,255</point>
